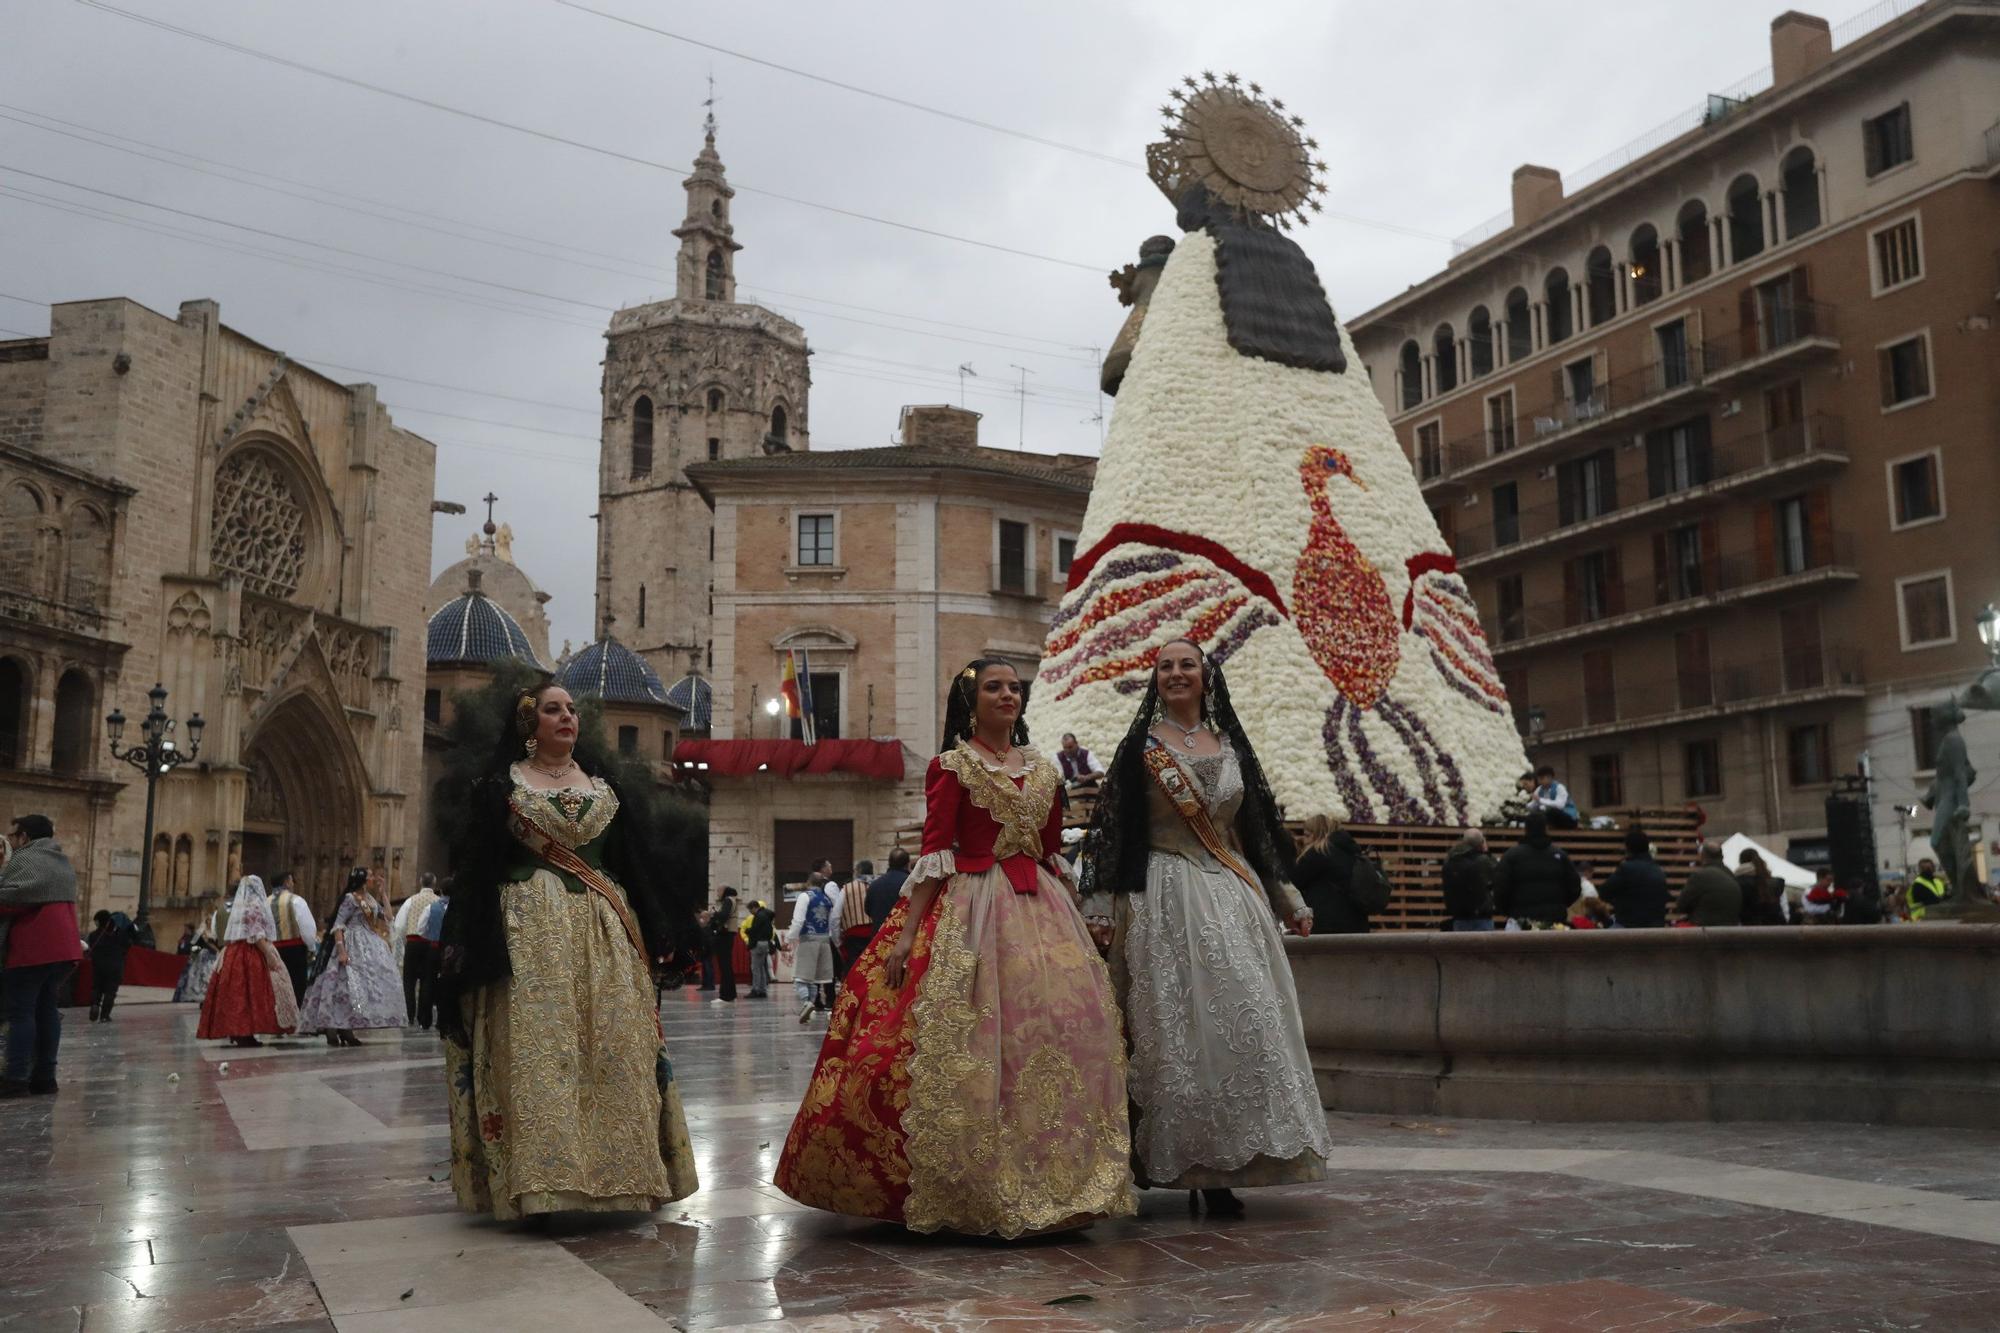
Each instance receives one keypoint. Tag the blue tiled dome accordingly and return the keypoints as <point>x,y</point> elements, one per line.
<point>614,673</point>
<point>694,697</point>
<point>474,628</point>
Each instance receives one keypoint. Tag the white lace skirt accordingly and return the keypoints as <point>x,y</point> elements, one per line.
<point>1219,1071</point>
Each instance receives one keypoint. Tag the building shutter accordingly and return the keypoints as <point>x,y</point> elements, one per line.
<point>1614,580</point>
<point>1661,585</point>
<point>1819,529</point>
<point>1572,595</point>
<point>1711,557</point>
<point>1767,542</point>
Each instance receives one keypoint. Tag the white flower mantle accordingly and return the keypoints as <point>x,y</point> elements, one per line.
<point>1209,443</point>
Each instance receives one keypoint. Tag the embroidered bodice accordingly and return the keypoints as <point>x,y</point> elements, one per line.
<point>578,818</point>
<point>977,816</point>
<point>1218,781</point>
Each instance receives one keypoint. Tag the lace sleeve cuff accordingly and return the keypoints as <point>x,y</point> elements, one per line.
<point>1287,900</point>
<point>932,866</point>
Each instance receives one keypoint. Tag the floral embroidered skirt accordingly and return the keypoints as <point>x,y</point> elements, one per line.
<point>565,1099</point>
<point>1223,1092</point>
<point>243,999</point>
<point>987,1096</point>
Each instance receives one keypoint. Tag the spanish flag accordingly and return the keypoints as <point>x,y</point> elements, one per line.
<point>788,688</point>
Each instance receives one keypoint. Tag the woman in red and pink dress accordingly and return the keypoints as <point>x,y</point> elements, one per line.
<point>973,1074</point>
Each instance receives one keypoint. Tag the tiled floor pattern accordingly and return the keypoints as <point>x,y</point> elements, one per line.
<point>173,1185</point>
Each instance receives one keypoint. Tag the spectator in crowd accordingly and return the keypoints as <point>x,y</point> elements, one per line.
<point>1712,896</point>
<point>763,940</point>
<point>855,927</point>
<point>40,948</point>
<point>1927,889</point>
<point>722,945</point>
<point>1637,889</point>
<point>1082,774</point>
<point>1823,901</point>
<point>1537,881</point>
<point>887,887</point>
<point>1763,896</point>
<point>110,941</point>
<point>1591,912</point>
<point>1552,799</point>
<point>1468,883</point>
<point>811,940</point>
<point>1324,875</point>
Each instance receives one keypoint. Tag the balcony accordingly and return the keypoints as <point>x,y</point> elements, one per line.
<point>1803,675</point>
<point>1719,581</point>
<point>1735,465</point>
<point>1788,334</point>
<point>1622,404</point>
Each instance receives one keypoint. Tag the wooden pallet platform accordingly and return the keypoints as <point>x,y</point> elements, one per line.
<point>1412,855</point>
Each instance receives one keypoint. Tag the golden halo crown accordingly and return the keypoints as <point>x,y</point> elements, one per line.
<point>1224,135</point>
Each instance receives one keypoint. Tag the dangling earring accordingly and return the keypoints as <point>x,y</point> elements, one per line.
<point>530,746</point>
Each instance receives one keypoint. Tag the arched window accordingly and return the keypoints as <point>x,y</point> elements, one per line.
<point>88,542</point>
<point>715,209</point>
<point>1746,218</point>
<point>1645,265</point>
<point>1556,306</point>
<point>1520,326</point>
<point>642,437</point>
<point>1600,294</point>
<point>1444,359</point>
<point>715,400</point>
<point>1411,364</point>
<point>715,275</point>
<point>13,713</point>
<point>1479,341</point>
<point>75,705</point>
<point>1692,230</point>
<point>20,530</point>
<point>780,426</point>
<point>1798,177</point>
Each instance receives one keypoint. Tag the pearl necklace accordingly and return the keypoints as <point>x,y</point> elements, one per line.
<point>1187,733</point>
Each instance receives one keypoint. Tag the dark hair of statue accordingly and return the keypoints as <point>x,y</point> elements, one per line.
<point>961,699</point>
<point>1273,307</point>
<point>656,848</point>
<point>1120,838</point>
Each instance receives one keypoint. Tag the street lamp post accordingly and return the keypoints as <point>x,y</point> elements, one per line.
<point>155,755</point>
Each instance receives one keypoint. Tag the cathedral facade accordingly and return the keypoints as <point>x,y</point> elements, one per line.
<point>183,505</point>
<point>695,379</point>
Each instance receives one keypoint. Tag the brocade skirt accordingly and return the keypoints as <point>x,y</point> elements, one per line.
<point>987,1096</point>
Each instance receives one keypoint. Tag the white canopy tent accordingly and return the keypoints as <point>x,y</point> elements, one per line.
<point>1791,876</point>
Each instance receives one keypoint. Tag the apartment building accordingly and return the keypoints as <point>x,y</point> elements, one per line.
<point>1714,436</point>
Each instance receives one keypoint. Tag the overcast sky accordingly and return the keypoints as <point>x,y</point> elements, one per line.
<point>1422,111</point>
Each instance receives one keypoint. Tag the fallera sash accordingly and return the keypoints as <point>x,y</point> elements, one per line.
<point>1180,791</point>
<point>562,858</point>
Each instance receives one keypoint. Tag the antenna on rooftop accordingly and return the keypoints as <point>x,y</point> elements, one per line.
<point>1021,424</point>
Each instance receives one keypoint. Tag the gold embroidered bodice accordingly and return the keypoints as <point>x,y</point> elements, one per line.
<point>576,817</point>
<point>1020,811</point>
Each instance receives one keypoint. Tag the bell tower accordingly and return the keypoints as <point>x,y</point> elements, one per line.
<point>707,267</point>
<point>697,377</point>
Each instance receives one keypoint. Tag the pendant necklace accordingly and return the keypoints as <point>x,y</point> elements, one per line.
<point>1187,733</point>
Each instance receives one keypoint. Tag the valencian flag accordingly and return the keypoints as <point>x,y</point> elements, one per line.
<point>788,689</point>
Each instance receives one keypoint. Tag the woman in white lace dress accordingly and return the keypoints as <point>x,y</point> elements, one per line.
<point>1188,868</point>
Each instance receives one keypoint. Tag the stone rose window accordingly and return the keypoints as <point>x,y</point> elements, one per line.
<point>260,528</point>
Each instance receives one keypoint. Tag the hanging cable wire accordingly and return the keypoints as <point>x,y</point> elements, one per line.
<point>548,136</point>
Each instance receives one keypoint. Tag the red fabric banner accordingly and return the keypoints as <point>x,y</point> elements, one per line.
<point>882,760</point>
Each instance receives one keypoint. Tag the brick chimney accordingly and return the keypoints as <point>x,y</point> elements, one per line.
<point>941,426</point>
<point>1800,44</point>
<point>1537,191</point>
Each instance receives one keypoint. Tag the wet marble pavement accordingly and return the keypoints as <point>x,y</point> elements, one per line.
<point>176,1185</point>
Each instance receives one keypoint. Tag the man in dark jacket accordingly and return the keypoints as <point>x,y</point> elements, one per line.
<point>1468,883</point>
<point>1537,880</point>
<point>1712,896</point>
<point>109,943</point>
<point>887,887</point>
<point>1637,889</point>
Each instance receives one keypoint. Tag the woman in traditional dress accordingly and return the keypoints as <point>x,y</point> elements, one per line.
<point>203,955</point>
<point>561,1094</point>
<point>250,992</point>
<point>359,987</point>
<point>1188,869</point>
<point>973,1075</point>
